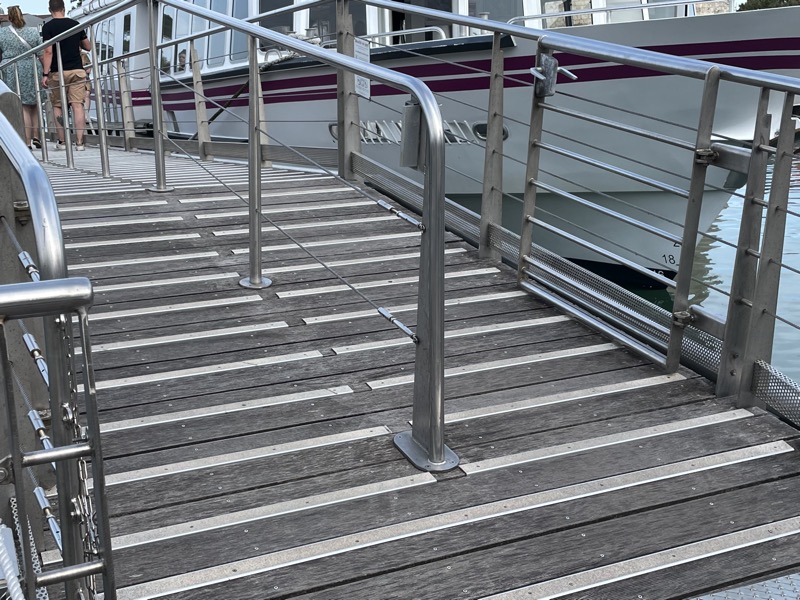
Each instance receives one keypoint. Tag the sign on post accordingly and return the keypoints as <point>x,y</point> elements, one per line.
<point>362,53</point>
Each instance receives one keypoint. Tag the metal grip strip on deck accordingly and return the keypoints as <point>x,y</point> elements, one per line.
<point>220,409</point>
<point>571,396</point>
<point>603,441</point>
<point>499,364</point>
<point>273,510</point>
<point>212,462</point>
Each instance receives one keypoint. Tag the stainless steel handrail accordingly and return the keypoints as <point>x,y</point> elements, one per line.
<point>40,196</point>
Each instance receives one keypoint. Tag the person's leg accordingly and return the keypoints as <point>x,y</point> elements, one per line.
<point>79,120</point>
<point>27,117</point>
<point>35,125</point>
<point>55,100</point>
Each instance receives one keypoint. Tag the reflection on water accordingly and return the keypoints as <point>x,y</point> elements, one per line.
<point>713,273</point>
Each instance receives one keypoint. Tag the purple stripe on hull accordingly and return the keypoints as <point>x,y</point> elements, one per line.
<point>462,76</point>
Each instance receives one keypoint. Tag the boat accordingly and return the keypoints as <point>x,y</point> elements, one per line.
<point>453,60</point>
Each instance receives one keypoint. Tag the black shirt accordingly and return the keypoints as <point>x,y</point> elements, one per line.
<point>70,47</point>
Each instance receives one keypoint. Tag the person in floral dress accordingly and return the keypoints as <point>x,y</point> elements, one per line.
<point>15,40</point>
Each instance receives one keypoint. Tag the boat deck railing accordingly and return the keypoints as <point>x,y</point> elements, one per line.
<point>735,351</point>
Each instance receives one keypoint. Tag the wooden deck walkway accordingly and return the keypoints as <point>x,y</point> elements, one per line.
<point>248,434</point>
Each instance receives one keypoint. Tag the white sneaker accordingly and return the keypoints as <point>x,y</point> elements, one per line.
<point>60,146</point>
<point>80,147</point>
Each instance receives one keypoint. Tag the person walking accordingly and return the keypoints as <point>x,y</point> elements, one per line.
<point>74,75</point>
<point>15,40</point>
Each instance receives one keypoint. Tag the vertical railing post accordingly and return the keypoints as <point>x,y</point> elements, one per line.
<point>765,302</point>
<point>492,198</point>
<point>126,100</point>
<point>255,280</point>
<point>424,445</point>
<point>62,91</point>
<point>743,282</point>
<point>702,158</point>
<point>99,107</point>
<point>532,165</point>
<point>200,113</point>
<point>347,105</point>
<point>155,97</point>
<point>40,110</point>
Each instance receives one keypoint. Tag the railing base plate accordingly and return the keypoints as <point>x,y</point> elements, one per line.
<point>418,457</point>
<point>264,283</point>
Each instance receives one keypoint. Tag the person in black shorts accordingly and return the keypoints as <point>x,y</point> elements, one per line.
<point>74,74</point>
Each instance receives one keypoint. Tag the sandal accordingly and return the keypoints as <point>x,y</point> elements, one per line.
<point>36,142</point>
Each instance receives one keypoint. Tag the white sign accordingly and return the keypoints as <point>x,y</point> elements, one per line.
<point>362,53</point>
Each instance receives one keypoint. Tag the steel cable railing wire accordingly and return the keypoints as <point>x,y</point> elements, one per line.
<point>382,311</point>
<point>629,205</point>
<point>595,234</point>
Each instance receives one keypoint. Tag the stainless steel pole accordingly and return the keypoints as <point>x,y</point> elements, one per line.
<point>492,197</point>
<point>254,281</point>
<point>99,111</point>
<point>155,97</point>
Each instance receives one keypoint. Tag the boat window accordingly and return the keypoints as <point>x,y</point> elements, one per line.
<point>280,23</point>
<point>322,21</point>
<point>182,30</point>
<point>403,20</point>
<point>198,25</point>
<point>126,34</point>
<point>216,42</point>
<point>480,130</point>
<point>496,11</point>
<point>239,39</point>
<point>167,33</point>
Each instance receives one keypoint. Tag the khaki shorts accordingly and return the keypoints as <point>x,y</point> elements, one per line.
<point>75,81</point>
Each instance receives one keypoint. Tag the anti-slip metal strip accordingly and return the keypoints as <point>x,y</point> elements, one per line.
<point>603,441</point>
<point>369,238</point>
<point>169,308</point>
<point>465,516</point>
<point>303,192</point>
<point>572,396</point>
<point>219,460</point>
<point>273,510</point>
<point>139,240</point>
<point>207,370</point>
<point>457,333</point>
<point>119,222</point>
<point>225,409</point>
<point>362,314</point>
<point>289,208</point>
<point>394,258</point>
<point>142,261</point>
<point>332,289</point>
<point>204,334</point>
<point>125,204</point>
<point>315,225</point>
<point>132,285</point>
<point>499,364</point>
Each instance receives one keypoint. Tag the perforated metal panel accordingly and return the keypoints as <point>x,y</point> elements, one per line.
<point>782,588</point>
<point>777,391</point>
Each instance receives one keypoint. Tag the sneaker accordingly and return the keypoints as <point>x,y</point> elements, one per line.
<point>60,146</point>
<point>80,147</point>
